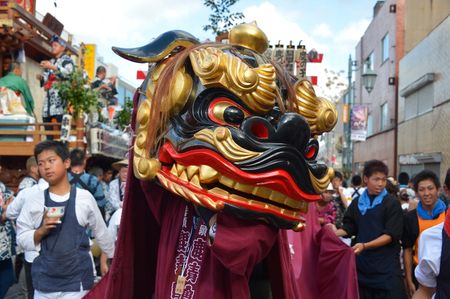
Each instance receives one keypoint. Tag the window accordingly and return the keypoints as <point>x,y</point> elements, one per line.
<point>419,102</point>
<point>385,48</point>
<point>384,117</point>
<point>128,95</point>
<point>369,124</point>
<point>120,94</point>
<point>412,169</point>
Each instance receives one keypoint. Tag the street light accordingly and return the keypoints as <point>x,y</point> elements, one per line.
<point>369,77</point>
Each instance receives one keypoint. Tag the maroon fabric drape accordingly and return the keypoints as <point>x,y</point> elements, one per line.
<point>323,266</point>
<point>307,265</point>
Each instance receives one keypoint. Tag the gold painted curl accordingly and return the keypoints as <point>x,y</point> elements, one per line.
<point>221,139</point>
<point>320,185</point>
<point>319,112</point>
<point>255,86</point>
<point>144,167</point>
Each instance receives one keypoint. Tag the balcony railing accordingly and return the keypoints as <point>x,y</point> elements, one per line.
<point>19,139</point>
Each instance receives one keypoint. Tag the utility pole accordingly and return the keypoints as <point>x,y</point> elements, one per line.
<point>348,101</point>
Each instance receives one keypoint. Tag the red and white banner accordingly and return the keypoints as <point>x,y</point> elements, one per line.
<point>313,67</point>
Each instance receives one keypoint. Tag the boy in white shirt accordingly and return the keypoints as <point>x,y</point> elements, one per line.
<point>54,222</point>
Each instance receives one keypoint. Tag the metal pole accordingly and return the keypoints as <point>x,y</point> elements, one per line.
<point>347,127</point>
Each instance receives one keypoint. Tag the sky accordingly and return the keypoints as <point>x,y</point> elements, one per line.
<point>332,27</point>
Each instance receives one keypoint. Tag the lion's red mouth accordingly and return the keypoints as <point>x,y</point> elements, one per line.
<point>278,180</point>
<point>210,176</point>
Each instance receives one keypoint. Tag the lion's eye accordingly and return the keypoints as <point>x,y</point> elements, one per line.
<point>225,111</point>
<point>233,115</point>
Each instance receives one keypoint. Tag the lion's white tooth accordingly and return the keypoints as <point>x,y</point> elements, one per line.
<point>208,174</point>
<point>227,181</point>
<point>262,192</point>
<point>174,170</point>
<point>243,187</point>
<point>183,176</point>
<point>195,181</point>
<point>191,170</point>
<point>180,168</point>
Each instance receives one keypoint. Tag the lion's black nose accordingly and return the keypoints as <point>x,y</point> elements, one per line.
<point>292,129</point>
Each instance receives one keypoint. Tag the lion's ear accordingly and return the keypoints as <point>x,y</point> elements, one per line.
<point>159,48</point>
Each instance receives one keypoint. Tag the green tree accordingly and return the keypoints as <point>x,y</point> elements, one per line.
<point>123,117</point>
<point>76,91</point>
<point>221,19</point>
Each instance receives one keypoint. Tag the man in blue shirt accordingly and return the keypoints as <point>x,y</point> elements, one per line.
<point>79,177</point>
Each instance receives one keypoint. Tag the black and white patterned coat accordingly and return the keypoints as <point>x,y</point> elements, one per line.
<point>53,104</point>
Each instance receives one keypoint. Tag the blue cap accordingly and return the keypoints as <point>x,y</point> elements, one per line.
<point>59,40</point>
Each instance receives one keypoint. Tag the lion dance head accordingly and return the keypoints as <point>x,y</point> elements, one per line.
<point>225,128</point>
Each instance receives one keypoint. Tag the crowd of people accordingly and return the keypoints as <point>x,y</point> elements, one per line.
<point>394,227</point>
<point>57,200</point>
<point>398,228</point>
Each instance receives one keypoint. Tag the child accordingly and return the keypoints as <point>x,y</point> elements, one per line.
<point>339,198</point>
<point>80,178</point>
<point>54,222</point>
<point>325,207</point>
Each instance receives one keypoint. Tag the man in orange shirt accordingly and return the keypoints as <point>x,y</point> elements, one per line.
<point>430,211</point>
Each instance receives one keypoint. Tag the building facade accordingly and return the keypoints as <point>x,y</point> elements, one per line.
<point>376,51</point>
<point>424,89</point>
<point>125,91</point>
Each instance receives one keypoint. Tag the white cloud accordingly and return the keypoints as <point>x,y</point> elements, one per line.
<point>348,37</point>
<point>115,23</point>
<point>322,31</point>
<point>278,26</point>
<point>115,19</point>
